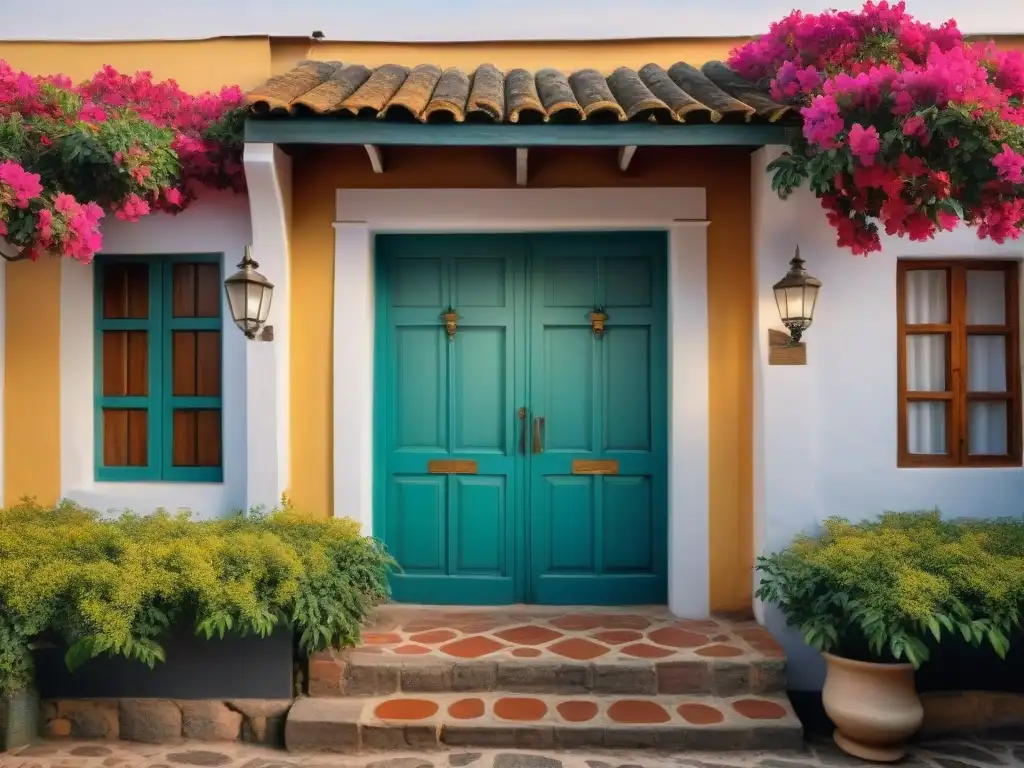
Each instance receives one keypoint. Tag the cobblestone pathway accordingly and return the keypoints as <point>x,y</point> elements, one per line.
<point>67,754</point>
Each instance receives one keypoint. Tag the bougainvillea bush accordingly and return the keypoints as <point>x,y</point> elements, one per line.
<point>119,144</point>
<point>905,125</point>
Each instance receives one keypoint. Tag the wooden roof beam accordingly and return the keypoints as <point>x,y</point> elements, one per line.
<point>522,158</point>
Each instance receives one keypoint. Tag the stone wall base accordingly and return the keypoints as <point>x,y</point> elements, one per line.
<point>19,720</point>
<point>156,721</point>
<point>953,713</point>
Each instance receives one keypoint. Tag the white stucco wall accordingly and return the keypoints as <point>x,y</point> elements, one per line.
<point>217,223</point>
<point>825,433</point>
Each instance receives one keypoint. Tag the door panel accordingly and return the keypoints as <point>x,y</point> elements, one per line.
<point>598,539</point>
<point>450,399</point>
<point>524,527</point>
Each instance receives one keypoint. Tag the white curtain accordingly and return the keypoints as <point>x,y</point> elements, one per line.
<point>927,356</point>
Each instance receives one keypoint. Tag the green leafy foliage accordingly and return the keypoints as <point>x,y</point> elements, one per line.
<point>114,587</point>
<point>889,589</point>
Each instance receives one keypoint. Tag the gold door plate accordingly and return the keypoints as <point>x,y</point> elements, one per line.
<point>595,466</point>
<point>451,467</point>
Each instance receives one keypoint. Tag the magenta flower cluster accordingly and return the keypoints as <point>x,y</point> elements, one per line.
<point>904,124</point>
<point>149,146</point>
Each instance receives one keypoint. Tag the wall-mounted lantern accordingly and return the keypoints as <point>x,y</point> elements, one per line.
<point>796,295</point>
<point>249,296</point>
<point>451,321</point>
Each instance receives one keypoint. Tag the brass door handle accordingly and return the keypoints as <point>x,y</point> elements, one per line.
<point>522,430</point>
<point>538,434</point>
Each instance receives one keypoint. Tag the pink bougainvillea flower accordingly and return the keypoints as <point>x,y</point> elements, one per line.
<point>132,208</point>
<point>822,122</point>
<point>858,79</point>
<point>864,143</point>
<point>948,220</point>
<point>915,126</point>
<point>44,226</point>
<point>92,113</point>
<point>1009,165</point>
<point>22,185</point>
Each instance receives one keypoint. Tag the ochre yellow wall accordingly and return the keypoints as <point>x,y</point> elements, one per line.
<point>725,174</point>
<point>32,382</point>
<point>32,392</point>
<point>197,65</point>
<point>604,55</point>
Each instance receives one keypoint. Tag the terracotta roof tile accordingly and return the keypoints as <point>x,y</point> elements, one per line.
<point>425,93</point>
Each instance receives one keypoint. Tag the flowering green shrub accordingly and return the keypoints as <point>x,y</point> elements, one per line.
<point>115,143</point>
<point>883,590</point>
<point>904,123</point>
<point>114,587</point>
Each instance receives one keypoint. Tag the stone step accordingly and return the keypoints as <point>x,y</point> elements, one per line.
<point>520,650</point>
<point>677,723</point>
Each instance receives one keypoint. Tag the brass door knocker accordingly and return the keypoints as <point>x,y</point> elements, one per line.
<point>451,321</point>
<point>597,321</point>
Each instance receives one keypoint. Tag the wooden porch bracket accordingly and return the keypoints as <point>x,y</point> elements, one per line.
<point>376,158</point>
<point>626,156</point>
<point>522,155</point>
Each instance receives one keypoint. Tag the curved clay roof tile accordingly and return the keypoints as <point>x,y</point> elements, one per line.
<point>745,91</point>
<point>414,95</point>
<point>487,96</point>
<point>329,95</point>
<point>636,98</point>
<point>449,98</point>
<point>377,91</point>
<point>557,97</point>
<point>521,98</point>
<point>279,91</point>
<point>592,92</point>
<point>679,101</point>
<point>697,84</point>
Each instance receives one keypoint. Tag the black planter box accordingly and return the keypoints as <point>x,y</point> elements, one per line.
<point>955,665</point>
<point>236,667</point>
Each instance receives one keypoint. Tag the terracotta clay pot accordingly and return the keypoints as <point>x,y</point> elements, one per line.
<point>875,707</point>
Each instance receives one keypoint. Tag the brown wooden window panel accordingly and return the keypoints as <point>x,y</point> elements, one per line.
<point>958,363</point>
<point>125,435</point>
<point>197,438</point>
<point>159,368</point>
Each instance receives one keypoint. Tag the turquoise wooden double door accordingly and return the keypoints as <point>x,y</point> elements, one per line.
<point>524,457</point>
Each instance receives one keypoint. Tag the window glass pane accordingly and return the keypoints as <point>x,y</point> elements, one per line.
<point>986,428</point>
<point>927,296</point>
<point>986,363</point>
<point>926,362</point>
<point>926,427</point>
<point>986,297</point>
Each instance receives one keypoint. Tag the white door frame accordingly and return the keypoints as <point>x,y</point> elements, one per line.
<point>363,213</point>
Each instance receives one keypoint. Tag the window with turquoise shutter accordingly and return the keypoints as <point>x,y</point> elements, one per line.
<point>158,368</point>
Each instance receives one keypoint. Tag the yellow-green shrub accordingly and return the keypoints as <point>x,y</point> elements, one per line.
<point>114,586</point>
<point>883,589</point>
